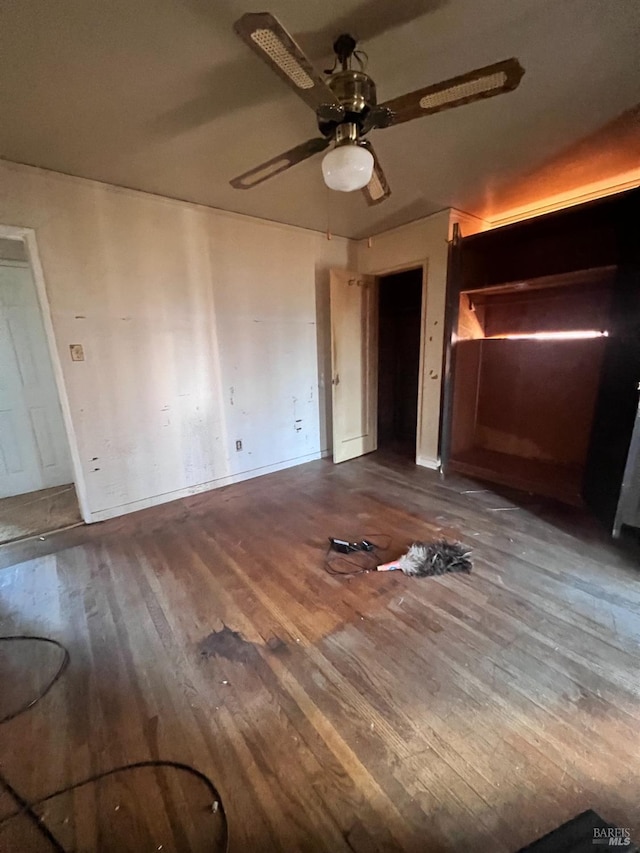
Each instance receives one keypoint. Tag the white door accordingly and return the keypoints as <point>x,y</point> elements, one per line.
<point>354,363</point>
<point>34,453</point>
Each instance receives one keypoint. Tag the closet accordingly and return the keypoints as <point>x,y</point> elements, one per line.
<point>543,357</point>
<point>528,367</point>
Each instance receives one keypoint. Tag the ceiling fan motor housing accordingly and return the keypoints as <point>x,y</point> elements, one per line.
<point>355,90</point>
<point>356,93</point>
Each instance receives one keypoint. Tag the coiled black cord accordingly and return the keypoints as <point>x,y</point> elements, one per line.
<point>25,807</point>
<point>368,559</point>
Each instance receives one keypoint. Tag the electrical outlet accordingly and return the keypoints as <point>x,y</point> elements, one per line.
<point>77,352</point>
<point>238,445</point>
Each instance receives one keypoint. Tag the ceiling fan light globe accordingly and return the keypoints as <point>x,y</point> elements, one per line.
<point>347,168</point>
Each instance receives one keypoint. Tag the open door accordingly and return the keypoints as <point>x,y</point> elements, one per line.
<point>354,364</point>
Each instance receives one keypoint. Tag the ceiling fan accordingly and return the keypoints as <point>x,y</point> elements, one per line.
<point>346,108</point>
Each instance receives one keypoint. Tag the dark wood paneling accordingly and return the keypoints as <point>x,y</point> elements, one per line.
<point>599,234</point>
<point>465,395</point>
<point>573,308</point>
<point>531,475</point>
<point>536,398</point>
<point>618,393</point>
<point>581,237</point>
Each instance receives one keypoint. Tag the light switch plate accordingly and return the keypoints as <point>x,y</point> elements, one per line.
<point>77,352</point>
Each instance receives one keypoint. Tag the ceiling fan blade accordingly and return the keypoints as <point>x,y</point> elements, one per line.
<point>266,36</point>
<point>280,163</point>
<point>473,86</point>
<point>377,190</point>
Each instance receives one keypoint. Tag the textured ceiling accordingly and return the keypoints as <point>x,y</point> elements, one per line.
<point>160,95</point>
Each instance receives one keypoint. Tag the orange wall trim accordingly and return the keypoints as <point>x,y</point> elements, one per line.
<point>589,192</point>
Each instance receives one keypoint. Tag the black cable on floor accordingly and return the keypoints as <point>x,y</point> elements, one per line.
<point>371,558</point>
<point>330,564</point>
<point>43,693</point>
<point>26,807</point>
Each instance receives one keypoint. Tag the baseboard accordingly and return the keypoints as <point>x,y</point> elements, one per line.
<point>428,462</point>
<point>156,500</point>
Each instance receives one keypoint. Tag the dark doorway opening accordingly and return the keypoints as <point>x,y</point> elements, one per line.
<point>400,312</point>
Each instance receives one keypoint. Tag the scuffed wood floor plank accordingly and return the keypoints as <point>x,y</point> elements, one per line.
<point>372,713</point>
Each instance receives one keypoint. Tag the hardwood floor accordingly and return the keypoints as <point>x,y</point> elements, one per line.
<point>37,513</point>
<point>369,713</point>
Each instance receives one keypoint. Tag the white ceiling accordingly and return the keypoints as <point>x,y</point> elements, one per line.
<point>161,95</point>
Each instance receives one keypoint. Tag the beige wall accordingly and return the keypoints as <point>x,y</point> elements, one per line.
<point>199,329</point>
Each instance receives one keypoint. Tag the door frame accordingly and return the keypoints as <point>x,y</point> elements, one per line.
<point>452,308</point>
<point>28,237</point>
<point>420,457</point>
